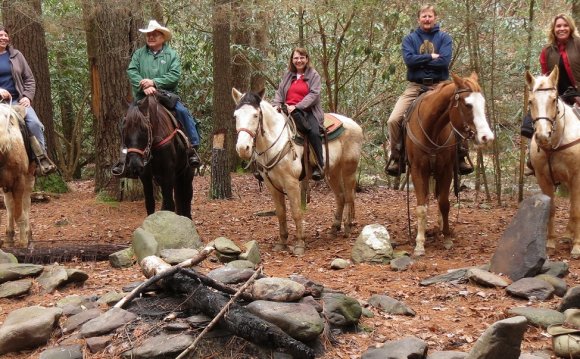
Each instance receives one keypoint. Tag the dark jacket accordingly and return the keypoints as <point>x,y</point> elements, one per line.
<point>420,64</point>
<point>550,57</point>
<point>310,102</point>
<point>22,74</point>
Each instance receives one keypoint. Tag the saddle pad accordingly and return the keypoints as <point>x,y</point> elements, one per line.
<point>331,123</point>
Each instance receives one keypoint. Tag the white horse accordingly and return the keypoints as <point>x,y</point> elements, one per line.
<point>16,178</point>
<point>554,151</point>
<point>266,137</point>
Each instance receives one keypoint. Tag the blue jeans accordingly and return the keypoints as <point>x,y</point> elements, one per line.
<point>35,127</point>
<point>188,122</point>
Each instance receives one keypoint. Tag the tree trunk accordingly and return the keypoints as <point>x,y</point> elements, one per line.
<point>223,104</point>
<point>241,37</point>
<point>220,176</point>
<point>111,35</point>
<point>23,19</point>
<point>261,43</point>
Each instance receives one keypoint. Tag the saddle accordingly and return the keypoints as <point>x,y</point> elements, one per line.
<point>333,126</point>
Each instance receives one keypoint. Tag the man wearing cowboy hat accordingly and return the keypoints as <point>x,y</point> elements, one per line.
<point>156,66</point>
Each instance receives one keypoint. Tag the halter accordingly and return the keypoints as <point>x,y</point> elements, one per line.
<point>551,120</point>
<point>145,153</point>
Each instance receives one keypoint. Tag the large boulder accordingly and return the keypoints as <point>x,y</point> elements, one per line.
<point>172,231</point>
<point>373,245</point>
<point>28,328</point>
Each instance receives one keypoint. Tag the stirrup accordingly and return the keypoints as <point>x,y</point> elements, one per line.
<point>465,168</point>
<point>317,174</point>
<point>44,166</point>
<point>394,168</point>
<point>193,158</point>
<point>118,170</point>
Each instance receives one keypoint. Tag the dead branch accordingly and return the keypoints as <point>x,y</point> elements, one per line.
<point>215,284</point>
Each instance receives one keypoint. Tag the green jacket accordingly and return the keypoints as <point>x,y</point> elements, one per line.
<point>164,68</point>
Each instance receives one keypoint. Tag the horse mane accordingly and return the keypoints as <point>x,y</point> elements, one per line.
<point>9,129</point>
<point>135,119</point>
<point>250,98</point>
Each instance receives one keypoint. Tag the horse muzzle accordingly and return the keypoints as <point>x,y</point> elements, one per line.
<point>135,167</point>
<point>244,148</point>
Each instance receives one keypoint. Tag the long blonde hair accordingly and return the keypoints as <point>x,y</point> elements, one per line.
<point>573,29</point>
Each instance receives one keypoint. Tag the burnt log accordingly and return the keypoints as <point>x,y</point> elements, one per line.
<point>237,320</point>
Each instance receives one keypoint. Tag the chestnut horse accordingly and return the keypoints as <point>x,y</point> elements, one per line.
<point>452,111</point>
<point>554,151</point>
<point>157,150</point>
<point>266,137</point>
<point>16,176</point>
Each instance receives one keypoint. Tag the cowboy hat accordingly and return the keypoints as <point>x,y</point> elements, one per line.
<point>155,26</point>
<point>566,336</point>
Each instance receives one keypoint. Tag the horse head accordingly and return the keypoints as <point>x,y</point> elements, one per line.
<point>137,138</point>
<point>467,113</point>
<point>249,117</point>
<point>543,102</point>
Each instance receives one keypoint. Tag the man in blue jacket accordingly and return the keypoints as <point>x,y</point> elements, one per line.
<point>427,53</point>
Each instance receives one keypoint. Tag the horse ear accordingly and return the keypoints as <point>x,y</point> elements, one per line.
<point>456,79</point>
<point>530,79</point>
<point>261,93</point>
<point>555,74</point>
<point>474,76</point>
<point>236,95</point>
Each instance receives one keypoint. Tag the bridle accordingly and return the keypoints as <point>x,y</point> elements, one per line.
<point>465,133</point>
<point>552,121</point>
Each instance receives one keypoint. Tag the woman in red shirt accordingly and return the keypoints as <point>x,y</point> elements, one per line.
<point>299,90</point>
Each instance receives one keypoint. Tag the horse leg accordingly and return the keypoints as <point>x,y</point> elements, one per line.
<point>280,203</point>
<point>147,182</point>
<point>335,184</point>
<point>293,193</point>
<point>443,201</point>
<point>349,188</point>
<point>548,189</point>
<point>421,192</point>
<point>184,193</point>
<point>10,233</point>
<point>21,219</point>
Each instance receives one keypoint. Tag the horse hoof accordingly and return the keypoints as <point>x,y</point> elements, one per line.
<point>419,252</point>
<point>575,252</point>
<point>280,247</point>
<point>298,250</point>
<point>448,244</point>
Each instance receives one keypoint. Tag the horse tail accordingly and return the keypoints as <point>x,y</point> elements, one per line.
<point>9,129</point>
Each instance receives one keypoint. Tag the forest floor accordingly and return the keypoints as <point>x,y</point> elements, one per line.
<point>449,317</point>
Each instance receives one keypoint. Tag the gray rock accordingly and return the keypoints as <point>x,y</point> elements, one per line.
<point>300,321</point>
<point>531,287</point>
<point>373,245</point>
<point>409,347</point>
<point>501,340</point>
<point>52,277</point>
<point>311,301</point>
<point>390,305</point>
<point>278,289</point>
<point>570,300</point>
<point>15,288</point>
<point>230,275</point>
<point>198,320</point>
<point>75,321</point>
<point>28,328</point>
<point>312,288</point>
<point>122,259</point>
<point>176,256</point>
<point>106,323</point>
<point>11,271</point>
<point>485,278</point>
<point>172,231</point>
<point>7,258</point>
<point>367,313</point>
<point>459,275</point>
<point>557,269</point>
<point>341,310</point>
<point>76,276</point>
<point>226,246</point>
<point>160,346</point>
<point>98,344</point>
<point>111,298</point>
<point>144,244</point>
<point>539,317</point>
<point>241,264</point>
<point>74,351</point>
<point>226,258</point>
<point>252,252</point>
<point>339,263</point>
<point>401,263</point>
<point>521,251</point>
<point>447,354</point>
<point>560,286</point>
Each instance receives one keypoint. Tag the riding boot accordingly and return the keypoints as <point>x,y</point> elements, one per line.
<point>318,171</point>
<point>44,165</point>
<point>118,169</point>
<point>394,167</point>
<point>465,167</point>
<point>193,157</point>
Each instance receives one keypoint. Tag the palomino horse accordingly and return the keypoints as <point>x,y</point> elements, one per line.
<point>554,151</point>
<point>266,137</point>
<point>452,111</point>
<point>16,176</point>
<point>157,150</point>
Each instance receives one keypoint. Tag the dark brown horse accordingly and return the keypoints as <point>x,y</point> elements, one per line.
<point>452,111</point>
<point>157,150</point>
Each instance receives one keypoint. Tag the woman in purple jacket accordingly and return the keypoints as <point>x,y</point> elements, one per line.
<point>299,91</point>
